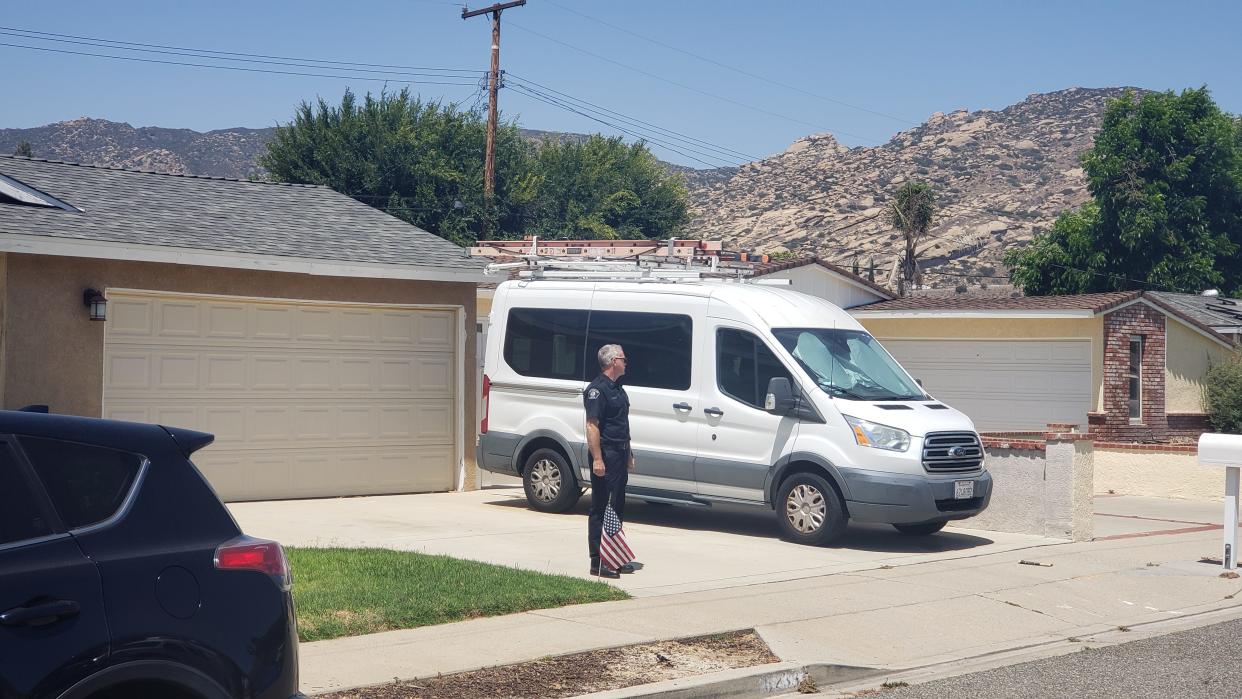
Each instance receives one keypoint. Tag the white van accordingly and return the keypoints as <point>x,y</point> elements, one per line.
<point>739,393</point>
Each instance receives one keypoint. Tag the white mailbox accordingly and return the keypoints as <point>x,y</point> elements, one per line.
<point>1225,451</point>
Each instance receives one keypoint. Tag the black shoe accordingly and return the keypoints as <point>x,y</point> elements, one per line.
<point>627,568</point>
<point>605,573</point>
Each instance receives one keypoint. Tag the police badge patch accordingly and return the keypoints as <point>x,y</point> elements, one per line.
<point>593,393</point>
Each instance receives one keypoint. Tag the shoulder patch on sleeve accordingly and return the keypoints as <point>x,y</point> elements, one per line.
<point>593,393</point>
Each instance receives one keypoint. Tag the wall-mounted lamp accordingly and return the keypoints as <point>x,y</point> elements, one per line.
<point>97,304</point>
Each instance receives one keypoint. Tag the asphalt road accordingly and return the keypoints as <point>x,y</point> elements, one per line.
<point>1204,662</point>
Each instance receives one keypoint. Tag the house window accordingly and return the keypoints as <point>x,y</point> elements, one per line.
<point>1134,378</point>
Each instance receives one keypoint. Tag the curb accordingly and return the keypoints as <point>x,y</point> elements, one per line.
<point>758,681</point>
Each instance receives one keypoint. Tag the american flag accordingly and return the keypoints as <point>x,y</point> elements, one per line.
<point>613,551</point>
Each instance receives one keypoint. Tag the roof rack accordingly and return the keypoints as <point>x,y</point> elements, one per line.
<point>668,261</point>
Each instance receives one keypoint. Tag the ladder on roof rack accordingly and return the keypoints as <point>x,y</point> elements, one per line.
<point>614,260</point>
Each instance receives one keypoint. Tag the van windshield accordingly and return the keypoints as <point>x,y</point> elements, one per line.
<point>848,364</point>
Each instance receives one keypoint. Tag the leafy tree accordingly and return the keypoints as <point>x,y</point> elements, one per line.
<point>911,211</point>
<point>23,149</point>
<point>1165,173</point>
<point>419,161</point>
<point>603,188</point>
<point>1223,390</point>
<point>423,162</point>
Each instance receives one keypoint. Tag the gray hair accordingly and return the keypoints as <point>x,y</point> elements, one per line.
<point>607,353</point>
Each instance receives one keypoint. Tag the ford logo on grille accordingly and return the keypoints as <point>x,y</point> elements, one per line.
<point>957,452</point>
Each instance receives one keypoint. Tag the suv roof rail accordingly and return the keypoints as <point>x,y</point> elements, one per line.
<point>33,409</point>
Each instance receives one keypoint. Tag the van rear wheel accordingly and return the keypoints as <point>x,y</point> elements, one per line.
<point>549,482</point>
<point>809,510</point>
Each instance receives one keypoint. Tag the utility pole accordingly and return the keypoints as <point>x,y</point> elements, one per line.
<point>489,162</point>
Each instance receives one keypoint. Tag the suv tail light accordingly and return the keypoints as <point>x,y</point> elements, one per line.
<point>249,553</point>
<point>487,403</point>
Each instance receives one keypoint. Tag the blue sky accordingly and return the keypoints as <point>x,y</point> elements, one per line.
<point>861,70</point>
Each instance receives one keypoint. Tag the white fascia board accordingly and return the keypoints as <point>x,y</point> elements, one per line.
<point>105,250</point>
<point>1085,313</point>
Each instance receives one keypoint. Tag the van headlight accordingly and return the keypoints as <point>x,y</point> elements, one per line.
<point>870,434</point>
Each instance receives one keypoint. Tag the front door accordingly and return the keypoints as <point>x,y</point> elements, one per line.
<point>52,624</point>
<point>664,408</point>
<point>738,441</point>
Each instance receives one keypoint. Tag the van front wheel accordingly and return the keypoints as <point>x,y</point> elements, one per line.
<point>549,482</point>
<point>809,510</point>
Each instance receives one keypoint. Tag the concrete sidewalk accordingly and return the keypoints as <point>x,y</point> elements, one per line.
<point>904,614</point>
<point>685,549</point>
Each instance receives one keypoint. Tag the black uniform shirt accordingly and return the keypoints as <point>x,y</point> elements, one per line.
<point>605,400</point>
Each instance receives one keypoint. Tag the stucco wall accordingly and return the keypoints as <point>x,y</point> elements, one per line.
<point>1157,475</point>
<point>1045,492</point>
<point>1000,329</point>
<point>1189,354</point>
<point>818,281</point>
<point>53,353</point>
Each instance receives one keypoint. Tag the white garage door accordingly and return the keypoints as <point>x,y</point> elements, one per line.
<point>1004,384</point>
<point>305,399</point>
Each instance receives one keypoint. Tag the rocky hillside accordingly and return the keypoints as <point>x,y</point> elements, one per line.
<point>1000,175</point>
<point>224,153</point>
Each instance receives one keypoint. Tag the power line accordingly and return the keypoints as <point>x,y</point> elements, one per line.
<point>639,122</point>
<point>235,68</point>
<point>726,66</point>
<point>655,134</point>
<point>243,56</point>
<point>568,107</point>
<point>684,86</point>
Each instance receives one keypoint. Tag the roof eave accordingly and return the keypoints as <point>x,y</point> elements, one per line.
<point>989,313</point>
<point>76,247</point>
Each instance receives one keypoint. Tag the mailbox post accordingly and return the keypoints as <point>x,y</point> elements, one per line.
<point>1225,451</point>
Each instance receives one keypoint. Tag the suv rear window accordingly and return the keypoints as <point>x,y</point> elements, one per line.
<point>87,484</point>
<point>20,518</point>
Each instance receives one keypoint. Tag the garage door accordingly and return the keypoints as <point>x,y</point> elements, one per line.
<point>1004,385</point>
<point>305,399</point>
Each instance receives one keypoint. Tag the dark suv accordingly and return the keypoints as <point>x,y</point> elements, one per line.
<point>122,574</point>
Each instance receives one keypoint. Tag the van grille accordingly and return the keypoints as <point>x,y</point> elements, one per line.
<point>952,452</point>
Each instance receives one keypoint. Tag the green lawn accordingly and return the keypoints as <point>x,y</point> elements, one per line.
<point>349,592</point>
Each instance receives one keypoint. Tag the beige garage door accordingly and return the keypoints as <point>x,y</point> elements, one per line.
<point>305,399</point>
<point>1004,384</point>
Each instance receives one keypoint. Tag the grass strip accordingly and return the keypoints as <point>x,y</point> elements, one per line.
<point>350,592</point>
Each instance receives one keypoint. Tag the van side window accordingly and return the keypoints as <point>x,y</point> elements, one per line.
<point>20,518</point>
<point>546,343</point>
<point>657,346</point>
<point>744,365</point>
<point>87,484</point>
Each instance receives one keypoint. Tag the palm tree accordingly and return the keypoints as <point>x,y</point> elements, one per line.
<point>911,211</point>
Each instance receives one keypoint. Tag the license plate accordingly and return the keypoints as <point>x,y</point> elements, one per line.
<point>963,490</point>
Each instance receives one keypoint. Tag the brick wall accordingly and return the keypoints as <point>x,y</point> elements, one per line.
<point>1114,423</point>
<point>1189,425</point>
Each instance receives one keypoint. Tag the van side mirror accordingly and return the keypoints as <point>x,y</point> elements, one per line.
<point>780,398</point>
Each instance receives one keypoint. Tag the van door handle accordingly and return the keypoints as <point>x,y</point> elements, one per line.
<point>40,614</point>
<point>713,412</point>
<point>682,406</point>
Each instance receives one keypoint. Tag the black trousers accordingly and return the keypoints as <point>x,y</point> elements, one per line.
<point>610,486</point>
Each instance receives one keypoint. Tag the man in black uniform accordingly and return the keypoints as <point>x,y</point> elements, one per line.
<point>608,439</point>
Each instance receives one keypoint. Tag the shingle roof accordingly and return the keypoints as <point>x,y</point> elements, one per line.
<point>1079,302</point>
<point>217,214</point>
<point>1093,303</point>
<point>773,267</point>
<point>1212,311</point>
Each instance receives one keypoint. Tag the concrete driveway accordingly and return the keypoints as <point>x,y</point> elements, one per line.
<point>683,549</point>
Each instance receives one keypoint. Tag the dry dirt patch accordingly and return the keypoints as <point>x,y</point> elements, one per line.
<point>583,673</point>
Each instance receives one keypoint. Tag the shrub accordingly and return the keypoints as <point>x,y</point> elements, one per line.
<point>1223,393</point>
